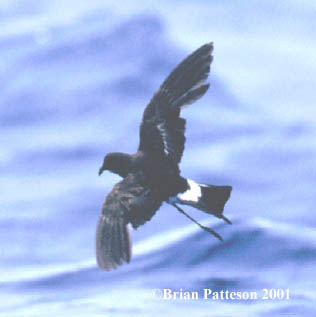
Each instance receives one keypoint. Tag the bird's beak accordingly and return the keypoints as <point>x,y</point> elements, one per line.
<point>101,170</point>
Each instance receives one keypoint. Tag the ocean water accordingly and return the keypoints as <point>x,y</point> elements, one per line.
<point>74,81</point>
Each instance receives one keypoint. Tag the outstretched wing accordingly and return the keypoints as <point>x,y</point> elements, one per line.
<point>162,129</point>
<point>130,201</point>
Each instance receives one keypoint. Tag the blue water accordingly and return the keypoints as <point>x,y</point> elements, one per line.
<point>74,81</point>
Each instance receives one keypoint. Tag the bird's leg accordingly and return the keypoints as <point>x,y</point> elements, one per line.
<point>226,219</point>
<point>209,230</point>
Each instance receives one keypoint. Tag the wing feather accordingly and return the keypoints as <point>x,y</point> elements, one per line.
<point>162,129</point>
<point>130,201</point>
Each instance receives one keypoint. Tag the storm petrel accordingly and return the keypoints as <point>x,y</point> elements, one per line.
<point>151,176</point>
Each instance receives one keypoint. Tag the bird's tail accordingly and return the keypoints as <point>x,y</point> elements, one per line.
<point>208,198</point>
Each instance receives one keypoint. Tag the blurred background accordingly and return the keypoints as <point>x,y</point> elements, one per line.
<point>75,77</point>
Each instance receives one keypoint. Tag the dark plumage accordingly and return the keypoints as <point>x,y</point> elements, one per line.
<point>151,175</point>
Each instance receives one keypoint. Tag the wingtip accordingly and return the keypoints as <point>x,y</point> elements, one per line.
<point>210,45</point>
<point>207,48</point>
<point>113,243</point>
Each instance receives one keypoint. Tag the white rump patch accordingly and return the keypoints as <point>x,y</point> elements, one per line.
<point>193,193</point>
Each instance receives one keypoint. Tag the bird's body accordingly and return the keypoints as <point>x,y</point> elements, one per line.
<point>152,175</point>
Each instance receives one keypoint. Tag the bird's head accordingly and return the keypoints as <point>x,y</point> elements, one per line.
<point>117,163</point>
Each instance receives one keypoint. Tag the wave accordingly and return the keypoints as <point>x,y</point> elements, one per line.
<point>251,247</point>
<point>87,67</point>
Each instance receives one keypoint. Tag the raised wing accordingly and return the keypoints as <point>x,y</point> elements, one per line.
<point>130,201</point>
<point>162,129</point>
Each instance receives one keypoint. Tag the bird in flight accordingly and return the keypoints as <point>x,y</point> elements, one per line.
<point>152,176</point>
